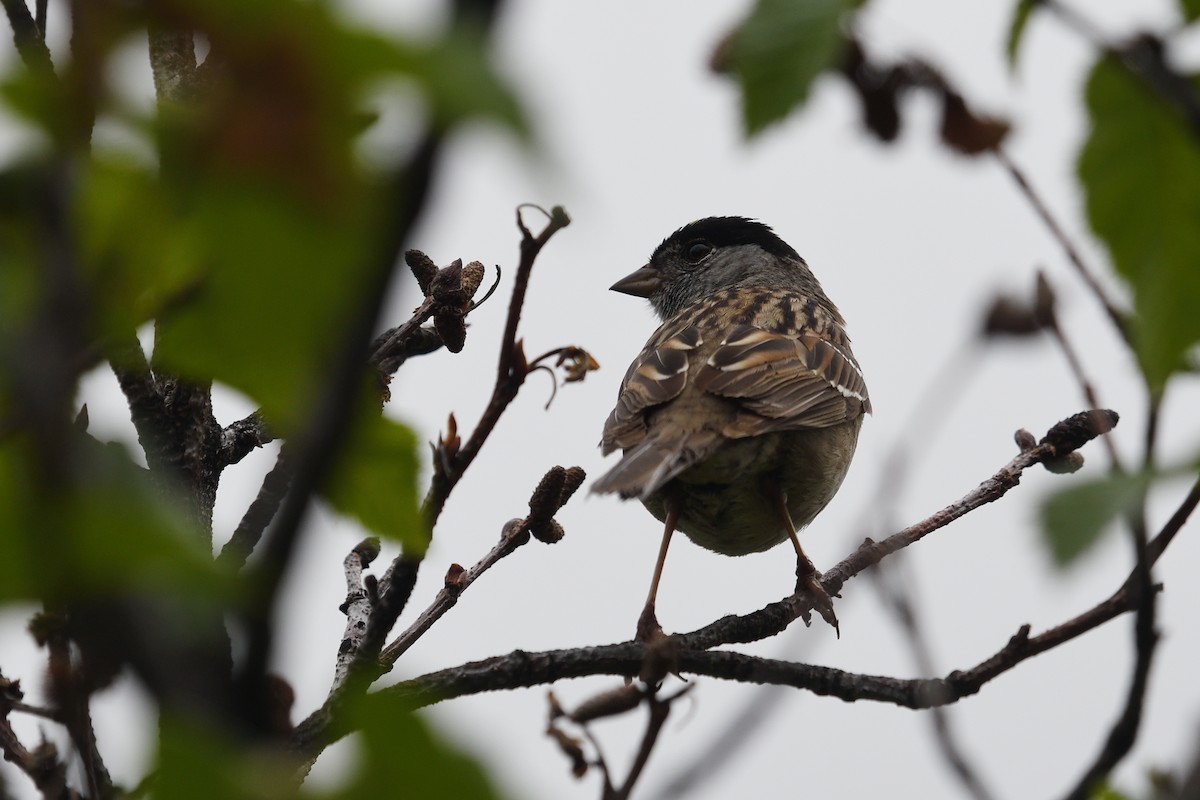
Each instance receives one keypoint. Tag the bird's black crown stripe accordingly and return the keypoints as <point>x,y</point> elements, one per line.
<point>726,232</point>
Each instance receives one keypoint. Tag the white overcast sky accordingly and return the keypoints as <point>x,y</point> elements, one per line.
<point>635,137</point>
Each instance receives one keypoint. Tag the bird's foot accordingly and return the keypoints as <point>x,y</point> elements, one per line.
<point>648,629</point>
<point>808,582</point>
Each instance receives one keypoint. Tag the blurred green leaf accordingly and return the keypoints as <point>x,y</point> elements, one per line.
<point>282,280</point>
<point>404,754</point>
<point>1190,10</point>
<point>780,50</point>
<point>375,481</point>
<point>136,252</point>
<point>1074,518</point>
<point>1105,791</point>
<point>1140,169</point>
<point>20,559</point>
<point>195,764</point>
<point>459,82</point>
<point>1016,29</point>
<point>99,528</point>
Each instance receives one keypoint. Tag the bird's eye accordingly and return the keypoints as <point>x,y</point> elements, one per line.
<point>697,251</point>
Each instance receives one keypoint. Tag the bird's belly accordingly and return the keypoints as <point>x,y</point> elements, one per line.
<point>730,501</point>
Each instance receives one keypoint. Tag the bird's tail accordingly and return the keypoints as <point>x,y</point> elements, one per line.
<point>650,465</point>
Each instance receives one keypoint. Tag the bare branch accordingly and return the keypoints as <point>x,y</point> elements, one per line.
<point>260,513</point>
<point>511,370</point>
<point>28,38</point>
<point>1120,319</point>
<point>521,670</point>
<point>239,438</point>
<point>324,432</point>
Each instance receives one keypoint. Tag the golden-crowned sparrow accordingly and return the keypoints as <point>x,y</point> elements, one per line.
<point>740,416</point>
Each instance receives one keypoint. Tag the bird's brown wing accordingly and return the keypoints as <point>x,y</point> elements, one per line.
<point>785,381</point>
<point>657,375</point>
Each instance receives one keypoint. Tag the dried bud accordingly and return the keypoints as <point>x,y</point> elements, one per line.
<point>576,363</point>
<point>472,277</point>
<point>549,532</point>
<point>1044,301</point>
<point>1077,430</point>
<point>1009,316</point>
<point>450,285</point>
<point>423,269</point>
<point>1064,465</point>
<point>608,704</point>
<point>367,550</point>
<point>454,577</point>
<point>572,748</point>
<point>967,132</point>
<point>573,479</point>
<point>546,498</point>
<point>451,329</point>
<point>1025,440</point>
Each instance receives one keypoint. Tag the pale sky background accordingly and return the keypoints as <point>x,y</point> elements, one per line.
<point>635,138</point>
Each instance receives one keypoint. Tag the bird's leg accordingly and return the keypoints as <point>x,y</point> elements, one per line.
<point>648,628</point>
<point>808,580</point>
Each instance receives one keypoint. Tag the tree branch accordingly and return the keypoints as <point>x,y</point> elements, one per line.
<point>521,670</point>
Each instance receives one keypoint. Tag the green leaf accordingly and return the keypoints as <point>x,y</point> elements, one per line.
<point>401,750</point>
<point>198,764</point>
<point>459,82</point>
<point>1016,29</point>
<point>137,254</point>
<point>780,50</point>
<point>102,529</point>
<point>1190,10</point>
<point>1074,518</point>
<point>1140,169</point>
<point>375,481</point>
<point>282,279</point>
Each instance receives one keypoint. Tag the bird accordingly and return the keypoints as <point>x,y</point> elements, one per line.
<point>738,420</point>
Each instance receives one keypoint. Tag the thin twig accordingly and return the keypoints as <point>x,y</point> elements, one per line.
<point>1124,730</point>
<point>240,438</point>
<point>1142,57</point>
<point>660,709</point>
<point>260,513</point>
<point>1119,318</point>
<point>897,598</point>
<point>1089,391</point>
<point>325,431</point>
<point>28,38</point>
<point>522,670</point>
<point>509,373</point>
<point>513,535</point>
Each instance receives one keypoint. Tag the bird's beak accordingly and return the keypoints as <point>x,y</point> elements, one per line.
<point>640,283</point>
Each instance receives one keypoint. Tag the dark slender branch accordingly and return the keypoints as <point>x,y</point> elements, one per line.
<point>43,765</point>
<point>324,433</point>
<point>510,373</point>
<point>899,599</point>
<point>172,61</point>
<point>27,36</point>
<point>1143,58</point>
<point>1119,318</point>
<point>259,515</point>
<point>1089,391</point>
<point>513,535</point>
<point>240,438</point>
<point>660,709</point>
<point>147,408</point>
<point>1140,586</point>
<point>520,669</point>
<point>387,345</point>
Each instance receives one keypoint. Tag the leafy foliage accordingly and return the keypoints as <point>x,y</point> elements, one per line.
<point>780,50</point>
<point>1140,168</point>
